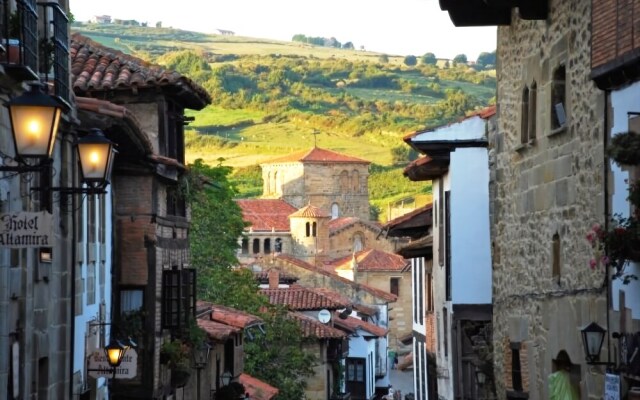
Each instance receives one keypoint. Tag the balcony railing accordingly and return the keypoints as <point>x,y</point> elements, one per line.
<point>54,49</point>
<point>28,53</point>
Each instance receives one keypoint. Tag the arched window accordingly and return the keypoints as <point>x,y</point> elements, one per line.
<point>278,245</point>
<point>245,246</point>
<point>267,246</point>
<point>355,181</point>
<point>314,228</point>
<point>558,95</point>
<point>308,229</point>
<point>335,211</point>
<point>256,246</point>
<point>358,242</point>
<point>533,109</point>
<point>344,181</point>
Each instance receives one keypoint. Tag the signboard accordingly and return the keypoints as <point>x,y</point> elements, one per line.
<point>611,387</point>
<point>98,366</point>
<point>19,230</point>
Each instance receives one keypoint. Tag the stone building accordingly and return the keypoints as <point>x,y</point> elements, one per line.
<point>547,187</point>
<point>330,181</point>
<point>153,281</point>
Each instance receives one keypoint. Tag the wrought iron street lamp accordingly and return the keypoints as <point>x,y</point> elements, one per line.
<point>592,339</point>
<point>96,154</point>
<point>115,352</point>
<point>226,377</point>
<point>34,123</point>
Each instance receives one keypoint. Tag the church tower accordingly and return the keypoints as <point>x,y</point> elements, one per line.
<point>310,234</point>
<point>331,181</point>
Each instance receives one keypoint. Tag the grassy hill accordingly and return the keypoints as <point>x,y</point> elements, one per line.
<point>272,98</point>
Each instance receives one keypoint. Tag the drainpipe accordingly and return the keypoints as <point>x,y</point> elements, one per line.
<point>605,164</point>
<point>73,280</point>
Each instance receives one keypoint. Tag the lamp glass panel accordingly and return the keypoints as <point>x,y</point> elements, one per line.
<point>34,128</point>
<point>114,355</point>
<point>94,158</point>
<point>594,341</point>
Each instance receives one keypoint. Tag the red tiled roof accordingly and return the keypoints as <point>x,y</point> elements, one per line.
<point>310,211</point>
<point>229,316</point>
<point>353,324</point>
<point>311,327</point>
<point>300,298</point>
<point>95,67</point>
<point>369,260</point>
<point>257,389</point>
<point>266,215</point>
<point>216,330</point>
<point>374,291</point>
<point>317,155</point>
<point>427,168</point>
<point>422,216</point>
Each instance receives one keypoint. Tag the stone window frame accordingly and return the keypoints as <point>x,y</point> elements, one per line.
<point>557,96</point>
<point>528,115</point>
<point>556,257</point>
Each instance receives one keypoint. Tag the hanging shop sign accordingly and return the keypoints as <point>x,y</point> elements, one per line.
<point>19,230</point>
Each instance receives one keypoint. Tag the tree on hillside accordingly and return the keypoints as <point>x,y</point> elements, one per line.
<point>410,61</point>
<point>348,46</point>
<point>402,155</point>
<point>383,59</point>
<point>186,62</point>
<point>429,59</point>
<point>460,59</point>
<point>159,24</point>
<point>486,59</point>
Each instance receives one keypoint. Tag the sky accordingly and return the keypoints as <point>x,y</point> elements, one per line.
<point>398,27</point>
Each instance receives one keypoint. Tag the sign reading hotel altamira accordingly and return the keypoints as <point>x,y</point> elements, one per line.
<point>26,229</point>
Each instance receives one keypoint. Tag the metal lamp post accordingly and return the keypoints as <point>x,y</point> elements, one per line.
<point>201,359</point>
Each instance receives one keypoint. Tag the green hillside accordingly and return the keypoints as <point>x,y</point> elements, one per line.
<point>271,98</point>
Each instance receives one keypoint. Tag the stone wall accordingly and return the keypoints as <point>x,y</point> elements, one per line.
<point>550,186</point>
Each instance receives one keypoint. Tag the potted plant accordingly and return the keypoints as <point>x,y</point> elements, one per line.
<point>47,54</point>
<point>12,42</point>
<point>624,148</point>
<point>175,354</point>
<point>618,245</point>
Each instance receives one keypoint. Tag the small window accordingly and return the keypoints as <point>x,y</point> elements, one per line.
<point>308,229</point>
<point>335,211</point>
<point>445,327</point>
<point>524,123</point>
<point>394,286</point>
<point>178,297</point>
<point>344,182</point>
<point>256,246</point>
<point>358,242</point>
<point>131,300</point>
<point>429,293</point>
<point>355,181</point>
<point>558,96</point>
<point>516,368</point>
<point>314,229</point>
<point>245,246</point>
<point>278,245</point>
<point>267,246</point>
<point>555,257</point>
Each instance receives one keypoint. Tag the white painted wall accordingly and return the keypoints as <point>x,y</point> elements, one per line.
<point>361,348</point>
<point>624,101</point>
<point>470,242</point>
<point>91,312</point>
<point>472,128</point>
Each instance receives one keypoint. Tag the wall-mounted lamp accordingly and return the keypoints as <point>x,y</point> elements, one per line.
<point>115,352</point>
<point>481,378</point>
<point>35,117</point>
<point>201,355</point>
<point>592,339</point>
<point>226,378</point>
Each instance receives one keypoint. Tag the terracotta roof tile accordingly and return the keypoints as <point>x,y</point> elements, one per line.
<point>353,324</point>
<point>216,330</point>
<point>361,308</point>
<point>300,298</point>
<point>374,291</point>
<point>311,327</point>
<point>257,389</point>
<point>369,260</point>
<point>317,155</point>
<point>422,216</point>
<point>310,211</point>
<point>337,224</point>
<point>266,215</point>
<point>95,67</point>
<point>229,316</point>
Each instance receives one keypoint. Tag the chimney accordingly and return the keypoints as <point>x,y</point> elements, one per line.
<point>274,278</point>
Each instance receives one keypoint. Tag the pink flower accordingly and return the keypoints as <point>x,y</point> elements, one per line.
<point>591,237</point>
<point>593,263</point>
<point>596,227</point>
